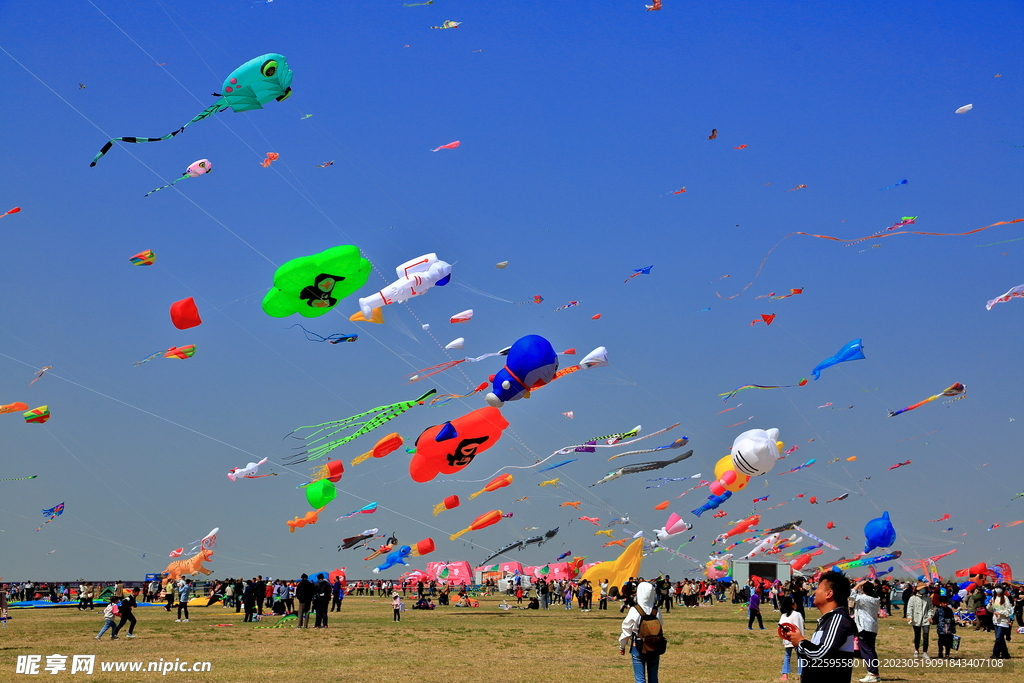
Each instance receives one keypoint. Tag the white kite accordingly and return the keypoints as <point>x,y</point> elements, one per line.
<point>964,109</point>
<point>415,277</point>
<point>1016,292</point>
<point>463,317</point>
<point>247,472</point>
<point>455,344</point>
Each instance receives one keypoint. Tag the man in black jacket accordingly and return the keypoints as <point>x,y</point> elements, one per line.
<point>249,600</point>
<point>125,608</point>
<point>321,601</point>
<point>304,593</point>
<point>827,657</point>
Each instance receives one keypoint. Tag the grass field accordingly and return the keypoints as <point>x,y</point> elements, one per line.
<point>448,645</point>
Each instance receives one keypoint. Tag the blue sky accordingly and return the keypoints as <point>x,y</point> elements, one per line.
<point>575,122</point>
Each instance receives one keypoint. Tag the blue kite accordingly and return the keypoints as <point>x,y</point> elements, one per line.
<point>852,351</point>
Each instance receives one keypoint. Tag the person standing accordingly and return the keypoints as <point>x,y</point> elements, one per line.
<point>865,615</point>
<point>304,593</point>
<point>799,594</point>
<point>119,590</point>
<point>645,667</point>
<point>261,593</point>
<point>1002,619</point>
<point>83,589</point>
<point>322,601</point>
<point>945,626</point>
<point>184,595</point>
<point>249,600</point>
<point>794,618</point>
<point>602,603</point>
<point>664,598</point>
<point>919,615</point>
<point>827,656</point>
<point>338,594</point>
<point>396,605</point>
<point>754,608</point>
<point>170,592</point>
<point>125,606</point>
<point>908,592</point>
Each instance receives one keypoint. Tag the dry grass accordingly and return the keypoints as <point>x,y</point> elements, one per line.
<point>449,645</point>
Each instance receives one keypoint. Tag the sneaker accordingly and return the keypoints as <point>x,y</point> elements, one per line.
<point>916,654</point>
<point>131,635</point>
<point>185,620</point>
<point>762,628</point>
<point>870,678</point>
<point>178,621</point>
<point>926,655</point>
<point>114,638</point>
<point>749,628</point>
<point>97,637</point>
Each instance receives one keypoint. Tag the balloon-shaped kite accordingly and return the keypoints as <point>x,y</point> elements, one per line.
<point>332,470</point>
<point>498,482</point>
<point>38,415</point>
<point>469,436</point>
<point>755,451</point>
<point>185,314</point>
<point>532,363</point>
<point>250,86</point>
<point>463,317</point>
<point>194,170</point>
<point>415,277</point>
<point>483,521</point>
<point>389,444</point>
<point>313,285</point>
<point>957,390</point>
<point>393,558</point>
<point>852,351</point>
<point>674,525</point>
<point>320,493</point>
<point>879,533</point>
<point>455,344</point>
<point>247,472</point>
<point>311,517</point>
<point>144,258</point>
<point>447,504</point>
<point>17,209</point>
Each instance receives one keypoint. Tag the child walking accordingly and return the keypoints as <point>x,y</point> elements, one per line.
<point>794,618</point>
<point>110,613</point>
<point>945,625</point>
<point>396,604</point>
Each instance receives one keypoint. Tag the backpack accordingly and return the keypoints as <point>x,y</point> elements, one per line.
<point>650,640</point>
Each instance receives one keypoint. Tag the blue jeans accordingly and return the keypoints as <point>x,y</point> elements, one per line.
<point>638,667</point>
<point>785,662</point>
<point>999,649</point>
<point>109,623</point>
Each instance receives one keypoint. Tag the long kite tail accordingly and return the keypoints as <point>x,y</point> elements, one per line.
<point>164,187</point>
<point>209,111</point>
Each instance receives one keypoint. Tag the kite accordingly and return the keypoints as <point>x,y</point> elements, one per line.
<point>247,472</point>
<point>596,317</point>
<point>852,351</point>
<point>311,517</point>
<point>879,533</point>
<point>761,499</point>
<point>537,299</point>
<point>185,314</point>
<point>393,558</point>
<point>352,541</point>
<point>994,526</point>
<point>899,464</point>
<point>719,514</point>
<point>957,390</point>
<point>450,145</point>
<point>42,372</point>
<point>642,467</point>
<point>596,521</point>
<point>20,478</point>
<point>194,170</point>
<point>791,450</point>
<point>568,416</point>
<point>449,24</point>
<point>564,555</point>
<point>572,503</point>
<point>181,351</point>
<point>798,187</point>
<point>418,4</point>
<point>176,553</point>
<point>621,543</point>
<point>678,443</point>
<point>642,271</point>
<point>365,510</point>
<point>52,514</point>
<point>415,277</point>
<point>447,504</point>
<point>248,87</point>
<point>729,394</point>
<point>605,532</point>
<point>673,525</point>
<point>325,164</point>
<point>532,363</point>
<point>483,521</point>
<point>943,518</point>
<point>838,498</point>
<point>714,134</point>
<point>964,109</point>
<point>335,338</point>
<point>772,296</point>
<point>271,157</point>
<point>557,465</point>
<point>655,7</point>
<point>144,258</point>
<point>1014,293</point>
<point>463,317</point>
<point>13,407</point>
<point>520,500</point>
<point>902,182</point>
<point>501,265</point>
<point>450,447</point>
<point>906,220</point>
<point>497,483</point>
<point>661,506</point>
<point>389,444</point>
<point>800,467</point>
<point>37,415</point>
<point>740,147</point>
<point>552,482</point>
<point>379,416</point>
<point>16,209</point>
<point>679,191</point>
<point>332,470</point>
<point>313,285</point>
<point>538,540</point>
<point>853,564</point>
<point>766,319</point>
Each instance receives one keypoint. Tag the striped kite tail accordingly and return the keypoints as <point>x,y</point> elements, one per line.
<point>209,111</point>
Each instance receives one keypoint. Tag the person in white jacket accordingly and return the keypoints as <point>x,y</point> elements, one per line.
<point>645,601</point>
<point>919,615</point>
<point>794,618</point>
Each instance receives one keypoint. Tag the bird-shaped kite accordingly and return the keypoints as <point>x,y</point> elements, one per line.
<point>52,514</point>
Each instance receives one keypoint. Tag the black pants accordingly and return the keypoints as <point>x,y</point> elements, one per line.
<point>398,614</point>
<point>945,644</point>
<point>170,602</point>
<point>602,603</point>
<point>754,613</point>
<point>867,651</point>
<point>665,602</point>
<point>259,604</point>
<point>250,610</point>
<point>320,608</point>
<point>183,606</point>
<point>336,605</point>
<point>921,633</point>
<point>238,604</point>
<point>126,618</point>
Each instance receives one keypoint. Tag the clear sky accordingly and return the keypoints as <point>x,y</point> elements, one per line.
<point>577,121</point>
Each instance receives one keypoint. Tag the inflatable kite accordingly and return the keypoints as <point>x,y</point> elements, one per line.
<point>250,86</point>
<point>37,415</point>
<point>389,444</point>
<point>448,24</point>
<point>13,407</point>
<point>313,285</point>
<point>1017,291</point>
<point>674,525</point>
<point>532,363</point>
<point>498,482</point>
<point>247,472</point>
<point>393,558</point>
<point>311,517</point>
<point>415,277</point>
<point>879,533</point>
<point>957,390</point>
<point>185,314</point>
<point>144,258</point>
<point>852,564</point>
<point>755,451</point>
<point>964,109</point>
<point>380,416</point>
<point>194,170</point>
<point>483,521</point>
<point>447,504</point>
<point>620,570</point>
<point>320,493</point>
<point>469,436</point>
<point>463,317</point>
<point>271,158</point>
<point>852,351</point>
<point>17,209</point>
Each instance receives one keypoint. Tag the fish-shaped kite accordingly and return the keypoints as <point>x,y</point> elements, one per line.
<point>13,407</point>
<point>498,482</point>
<point>365,510</point>
<point>854,350</point>
<point>14,210</point>
<point>957,390</point>
<point>1014,293</point>
<point>642,467</point>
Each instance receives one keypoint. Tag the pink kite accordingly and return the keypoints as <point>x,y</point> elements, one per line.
<point>592,520</point>
<point>450,145</point>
